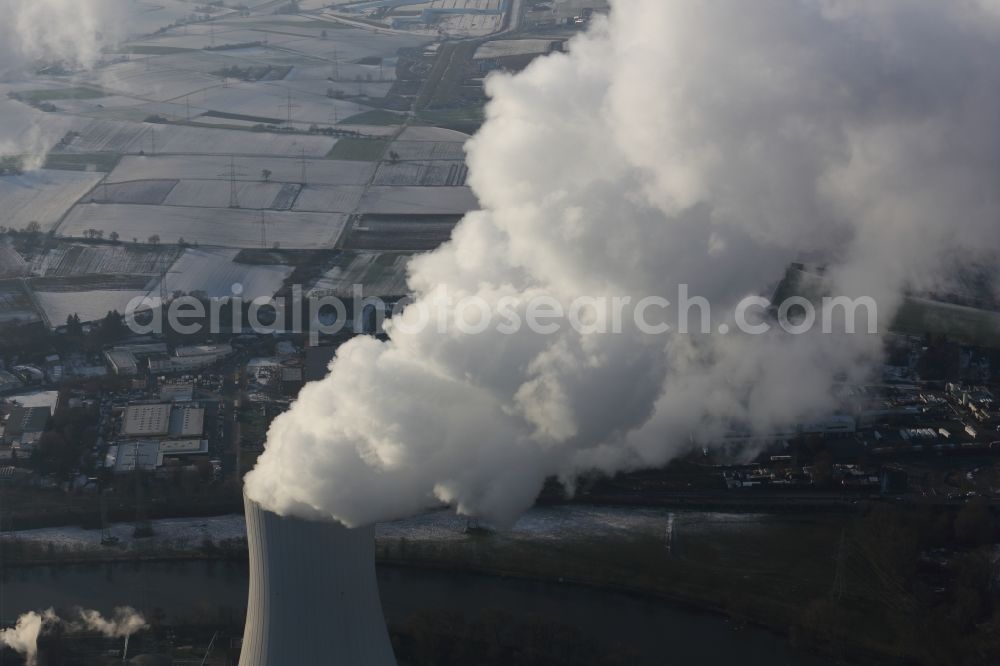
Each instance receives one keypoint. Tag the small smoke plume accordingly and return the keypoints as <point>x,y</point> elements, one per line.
<point>677,142</point>
<point>23,636</point>
<point>124,622</point>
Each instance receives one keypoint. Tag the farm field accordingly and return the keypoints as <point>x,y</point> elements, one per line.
<point>503,48</point>
<point>346,85</point>
<point>269,101</point>
<point>146,16</point>
<point>89,305</point>
<point>222,227</point>
<point>377,117</point>
<point>215,194</point>
<point>412,233</point>
<point>91,162</point>
<point>141,80</point>
<point>146,192</point>
<point>204,141</point>
<point>69,259</point>
<point>334,199</point>
<point>360,150</point>
<point>53,94</point>
<point>213,272</point>
<point>426,174</point>
<point>418,201</point>
<point>439,134</point>
<point>12,264</point>
<point>381,273</point>
<point>429,150</point>
<point>16,304</point>
<point>100,136</point>
<point>42,196</point>
<point>283,170</point>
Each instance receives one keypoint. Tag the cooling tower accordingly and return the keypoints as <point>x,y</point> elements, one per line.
<point>313,595</point>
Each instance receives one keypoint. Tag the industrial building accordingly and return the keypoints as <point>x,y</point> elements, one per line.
<point>150,455</point>
<point>163,420</point>
<point>313,595</point>
<point>24,427</point>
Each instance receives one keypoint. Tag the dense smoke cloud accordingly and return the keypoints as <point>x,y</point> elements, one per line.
<point>681,141</point>
<point>23,636</point>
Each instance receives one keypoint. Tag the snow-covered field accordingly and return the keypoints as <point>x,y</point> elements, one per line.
<point>213,273</point>
<point>429,150</point>
<point>149,81</point>
<point>41,196</point>
<point>418,200</point>
<point>147,192</point>
<point>223,227</point>
<point>429,174</point>
<point>89,305</point>
<point>204,141</point>
<point>334,199</point>
<point>269,101</point>
<point>67,259</point>
<point>15,303</point>
<point>421,133</point>
<point>249,169</point>
<point>215,194</point>
<point>12,264</point>
<point>147,16</point>
<point>105,136</point>
<point>555,522</point>
<point>319,86</point>
<point>380,273</point>
<point>503,48</point>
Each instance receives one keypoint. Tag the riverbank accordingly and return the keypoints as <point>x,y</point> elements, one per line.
<point>829,580</point>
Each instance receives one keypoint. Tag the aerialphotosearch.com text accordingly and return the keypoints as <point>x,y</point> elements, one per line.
<point>319,314</point>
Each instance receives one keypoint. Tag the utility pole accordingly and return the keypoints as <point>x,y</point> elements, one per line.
<point>263,231</point>
<point>152,140</point>
<point>305,180</point>
<point>233,174</point>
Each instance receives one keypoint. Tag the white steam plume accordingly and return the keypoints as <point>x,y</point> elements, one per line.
<point>72,31</point>
<point>681,141</point>
<point>23,636</point>
<point>68,31</point>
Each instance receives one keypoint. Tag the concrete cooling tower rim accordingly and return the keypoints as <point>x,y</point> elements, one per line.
<point>313,597</point>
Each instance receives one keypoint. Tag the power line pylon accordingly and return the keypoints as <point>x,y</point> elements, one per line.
<point>233,174</point>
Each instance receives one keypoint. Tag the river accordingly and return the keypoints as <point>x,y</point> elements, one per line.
<point>201,591</point>
<point>186,590</point>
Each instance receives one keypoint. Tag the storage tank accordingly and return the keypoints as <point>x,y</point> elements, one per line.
<point>313,595</point>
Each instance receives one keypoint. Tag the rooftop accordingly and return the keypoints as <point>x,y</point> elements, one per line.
<point>147,420</point>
